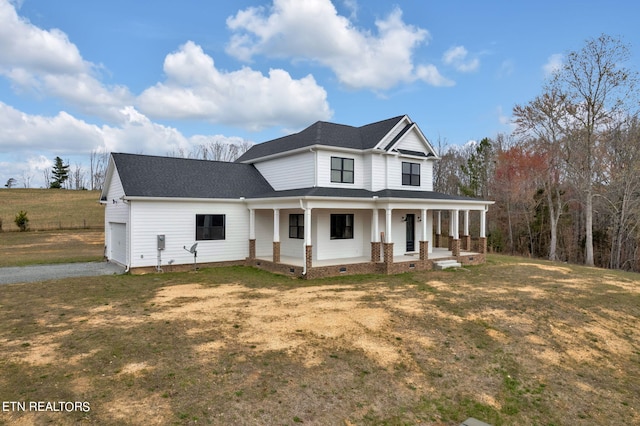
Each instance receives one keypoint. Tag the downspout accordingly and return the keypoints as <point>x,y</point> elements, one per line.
<point>304,245</point>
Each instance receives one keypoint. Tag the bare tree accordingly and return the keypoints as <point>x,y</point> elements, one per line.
<point>543,122</point>
<point>597,88</point>
<point>98,162</point>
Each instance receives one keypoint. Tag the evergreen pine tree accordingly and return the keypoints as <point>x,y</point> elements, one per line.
<point>60,173</point>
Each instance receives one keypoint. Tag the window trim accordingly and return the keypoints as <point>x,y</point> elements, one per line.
<point>347,232</point>
<point>413,177</point>
<point>297,227</point>
<point>342,171</point>
<point>201,230</point>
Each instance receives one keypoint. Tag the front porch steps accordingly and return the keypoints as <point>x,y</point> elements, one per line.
<point>444,264</point>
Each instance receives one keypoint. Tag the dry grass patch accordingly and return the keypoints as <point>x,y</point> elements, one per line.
<point>509,342</point>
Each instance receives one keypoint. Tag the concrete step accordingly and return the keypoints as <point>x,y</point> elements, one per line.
<point>444,264</point>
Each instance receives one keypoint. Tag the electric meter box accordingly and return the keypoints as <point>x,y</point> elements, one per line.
<point>161,241</point>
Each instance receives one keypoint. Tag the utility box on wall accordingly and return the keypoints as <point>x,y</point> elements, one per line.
<point>161,242</point>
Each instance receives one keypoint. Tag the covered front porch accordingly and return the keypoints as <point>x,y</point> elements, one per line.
<point>325,238</point>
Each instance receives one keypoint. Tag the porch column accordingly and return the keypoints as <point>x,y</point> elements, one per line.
<point>388,244</point>
<point>375,236</point>
<point>308,247</point>
<point>438,227</point>
<point>252,234</point>
<point>455,233</point>
<point>276,235</point>
<point>466,237</point>
<point>482,243</point>
<point>424,242</point>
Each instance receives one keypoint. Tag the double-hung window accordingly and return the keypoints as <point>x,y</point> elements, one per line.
<point>341,170</point>
<point>341,226</point>
<point>296,226</point>
<point>411,174</point>
<point>210,227</point>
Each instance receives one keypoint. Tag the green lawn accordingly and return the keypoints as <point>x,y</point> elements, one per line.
<point>50,209</point>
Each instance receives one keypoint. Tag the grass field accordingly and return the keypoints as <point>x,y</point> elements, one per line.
<point>511,342</point>
<point>51,209</point>
<point>43,247</point>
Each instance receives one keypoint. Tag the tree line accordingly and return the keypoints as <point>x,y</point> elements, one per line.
<point>566,182</point>
<point>78,177</point>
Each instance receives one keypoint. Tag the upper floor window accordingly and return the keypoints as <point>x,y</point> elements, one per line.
<point>411,174</point>
<point>296,226</point>
<point>341,170</point>
<point>210,227</point>
<point>341,226</point>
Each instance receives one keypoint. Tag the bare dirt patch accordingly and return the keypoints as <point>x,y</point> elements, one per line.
<point>509,343</point>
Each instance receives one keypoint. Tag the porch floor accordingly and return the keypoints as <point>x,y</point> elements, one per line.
<point>437,253</point>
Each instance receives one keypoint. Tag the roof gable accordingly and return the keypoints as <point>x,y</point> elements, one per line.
<point>151,176</point>
<point>326,134</point>
<point>411,141</point>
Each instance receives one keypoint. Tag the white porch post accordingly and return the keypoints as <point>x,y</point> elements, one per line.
<point>423,217</point>
<point>375,236</point>
<point>276,225</point>
<point>307,226</point>
<point>387,225</point>
<point>308,247</point>
<point>276,235</point>
<point>466,222</point>
<point>439,222</point>
<point>252,224</point>
<point>375,232</point>
<point>252,234</point>
<point>388,241</point>
<point>483,223</point>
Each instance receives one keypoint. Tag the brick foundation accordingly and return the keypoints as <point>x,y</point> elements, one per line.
<point>466,243</point>
<point>252,249</point>
<point>482,245</point>
<point>375,252</point>
<point>455,247</point>
<point>276,252</point>
<point>424,250</point>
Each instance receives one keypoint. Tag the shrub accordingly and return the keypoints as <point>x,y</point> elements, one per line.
<point>22,221</point>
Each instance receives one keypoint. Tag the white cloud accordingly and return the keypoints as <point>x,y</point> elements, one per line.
<point>47,62</point>
<point>314,31</point>
<point>457,57</point>
<point>195,89</point>
<point>554,63</point>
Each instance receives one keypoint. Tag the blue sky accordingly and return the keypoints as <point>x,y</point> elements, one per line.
<point>156,77</point>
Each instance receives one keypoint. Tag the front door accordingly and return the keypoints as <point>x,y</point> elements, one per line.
<point>411,232</point>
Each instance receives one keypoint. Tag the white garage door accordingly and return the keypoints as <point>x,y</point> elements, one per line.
<point>118,243</point>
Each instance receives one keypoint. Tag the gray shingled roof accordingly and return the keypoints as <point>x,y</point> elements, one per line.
<point>325,133</point>
<point>150,176</point>
<point>362,193</point>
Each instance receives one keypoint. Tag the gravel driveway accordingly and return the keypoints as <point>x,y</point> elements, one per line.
<point>29,274</point>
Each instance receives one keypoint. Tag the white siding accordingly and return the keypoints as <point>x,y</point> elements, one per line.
<point>394,170</point>
<point>292,247</point>
<point>378,172</point>
<point>394,132</point>
<point>264,233</point>
<point>176,220</point>
<point>295,171</point>
<point>326,248</point>
<point>412,141</point>
<point>116,213</point>
<point>324,169</point>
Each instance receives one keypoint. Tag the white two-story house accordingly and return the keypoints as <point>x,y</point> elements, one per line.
<point>330,199</point>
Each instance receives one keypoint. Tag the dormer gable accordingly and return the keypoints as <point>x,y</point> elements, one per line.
<point>407,139</point>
